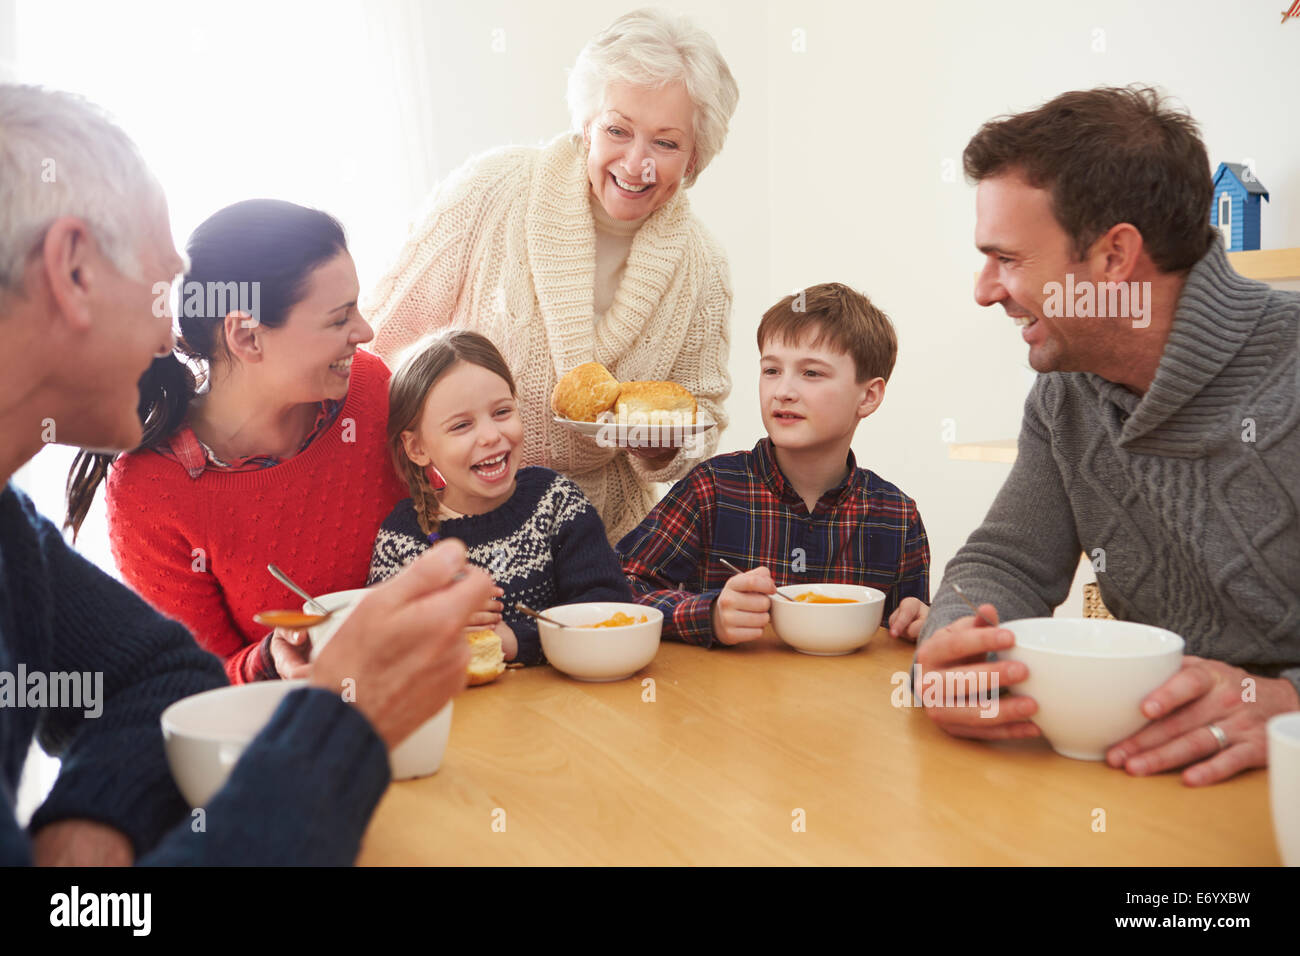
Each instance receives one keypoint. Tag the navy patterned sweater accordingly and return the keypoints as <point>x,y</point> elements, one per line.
<point>545,546</point>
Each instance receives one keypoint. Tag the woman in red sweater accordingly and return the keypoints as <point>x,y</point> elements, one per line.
<point>274,452</point>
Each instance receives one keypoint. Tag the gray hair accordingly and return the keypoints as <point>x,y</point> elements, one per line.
<point>62,156</point>
<point>651,48</point>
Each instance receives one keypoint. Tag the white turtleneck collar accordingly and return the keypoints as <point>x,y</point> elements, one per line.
<point>608,224</point>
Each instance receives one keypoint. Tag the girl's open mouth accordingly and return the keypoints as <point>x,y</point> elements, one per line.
<point>494,468</point>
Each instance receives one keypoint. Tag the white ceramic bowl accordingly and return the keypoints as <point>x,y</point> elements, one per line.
<point>600,653</point>
<point>420,754</point>
<point>1284,784</point>
<point>321,633</point>
<point>828,630</point>
<point>1089,676</point>
<point>205,734</point>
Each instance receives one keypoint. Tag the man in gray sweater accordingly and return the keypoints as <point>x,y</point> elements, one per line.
<point>1162,437</point>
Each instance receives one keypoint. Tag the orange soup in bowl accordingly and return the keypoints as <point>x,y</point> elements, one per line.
<point>620,620</point>
<point>812,597</point>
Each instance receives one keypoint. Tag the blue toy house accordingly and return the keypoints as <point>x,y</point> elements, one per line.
<point>1236,206</point>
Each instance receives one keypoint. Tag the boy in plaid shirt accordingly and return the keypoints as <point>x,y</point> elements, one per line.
<point>796,508</point>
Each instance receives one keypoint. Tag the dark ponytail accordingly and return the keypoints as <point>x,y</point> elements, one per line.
<point>274,244</point>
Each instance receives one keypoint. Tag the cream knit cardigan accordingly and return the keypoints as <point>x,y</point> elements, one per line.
<point>507,248</point>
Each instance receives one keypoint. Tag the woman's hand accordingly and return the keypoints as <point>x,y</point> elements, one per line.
<point>291,652</point>
<point>655,458</point>
<point>489,616</point>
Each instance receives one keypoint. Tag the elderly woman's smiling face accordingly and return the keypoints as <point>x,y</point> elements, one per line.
<point>641,147</point>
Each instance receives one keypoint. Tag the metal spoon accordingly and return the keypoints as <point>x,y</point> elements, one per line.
<point>962,594</point>
<point>738,571</point>
<point>289,583</point>
<point>525,609</point>
<point>291,620</point>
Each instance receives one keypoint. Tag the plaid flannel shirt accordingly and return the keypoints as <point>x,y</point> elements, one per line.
<point>741,507</point>
<point>195,457</point>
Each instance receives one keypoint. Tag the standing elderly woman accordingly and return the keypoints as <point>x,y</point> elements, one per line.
<point>586,250</point>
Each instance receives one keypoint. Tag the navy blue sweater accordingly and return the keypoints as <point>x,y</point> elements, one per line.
<point>544,546</point>
<point>302,793</point>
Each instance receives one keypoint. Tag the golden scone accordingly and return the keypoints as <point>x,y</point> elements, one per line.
<point>662,403</point>
<point>585,392</point>
<point>487,660</point>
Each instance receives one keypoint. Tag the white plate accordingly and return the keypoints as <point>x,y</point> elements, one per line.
<point>615,434</point>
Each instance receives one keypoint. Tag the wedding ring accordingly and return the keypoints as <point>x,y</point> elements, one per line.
<point>1220,737</point>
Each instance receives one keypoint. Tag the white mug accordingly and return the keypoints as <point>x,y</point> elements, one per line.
<point>1284,784</point>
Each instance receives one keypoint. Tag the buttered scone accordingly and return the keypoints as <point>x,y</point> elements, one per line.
<point>662,403</point>
<point>585,392</point>
<point>487,659</point>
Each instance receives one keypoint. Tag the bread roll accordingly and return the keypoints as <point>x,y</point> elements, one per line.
<point>584,393</point>
<point>487,659</point>
<point>661,403</point>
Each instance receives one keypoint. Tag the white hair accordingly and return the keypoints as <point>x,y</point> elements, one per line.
<point>62,156</point>
<point>651,48</point>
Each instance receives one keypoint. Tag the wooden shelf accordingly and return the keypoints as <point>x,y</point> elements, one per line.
<point>1001,450</point>
<point>1267,264</point>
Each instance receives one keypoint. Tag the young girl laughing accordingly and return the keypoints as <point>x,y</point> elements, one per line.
<point>455,434</point>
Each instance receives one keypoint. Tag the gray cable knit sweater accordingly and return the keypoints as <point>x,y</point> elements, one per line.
<point>1191,491</point>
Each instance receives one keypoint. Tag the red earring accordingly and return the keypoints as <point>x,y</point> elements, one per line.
<point>435,479</point>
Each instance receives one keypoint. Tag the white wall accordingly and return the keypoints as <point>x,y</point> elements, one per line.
<point>834,168</point>
<point>7,36</point>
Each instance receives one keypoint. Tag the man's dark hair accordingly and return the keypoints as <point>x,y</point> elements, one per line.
<point>1109,155</point>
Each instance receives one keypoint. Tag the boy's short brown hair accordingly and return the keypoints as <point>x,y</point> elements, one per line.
<point>844,318</point>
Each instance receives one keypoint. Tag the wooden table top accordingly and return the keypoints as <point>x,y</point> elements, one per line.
<point>742,744</point>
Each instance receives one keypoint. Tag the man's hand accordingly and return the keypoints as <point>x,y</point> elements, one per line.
<point>81,843</point>
<point>291,652</point>
<point>958,651</point>
<point>905,623</point>
<point>1204,692</point>
<point>403,646</point>
<point>741,611</point>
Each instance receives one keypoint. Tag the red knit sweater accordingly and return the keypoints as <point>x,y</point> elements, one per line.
<point>197,548</point>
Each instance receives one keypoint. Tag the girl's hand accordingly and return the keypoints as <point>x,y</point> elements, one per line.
<point>490,615</point>
<point>291,651</point>
<point>509,643</point>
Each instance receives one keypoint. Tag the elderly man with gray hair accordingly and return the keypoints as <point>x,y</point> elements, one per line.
<point>586,250</point>
<point>85,246</point>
